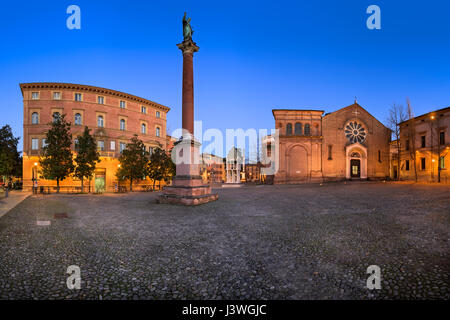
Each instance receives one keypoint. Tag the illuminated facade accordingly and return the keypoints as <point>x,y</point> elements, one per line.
<point>426,136</point>
<point>346,144</point>
<point>113,117</point>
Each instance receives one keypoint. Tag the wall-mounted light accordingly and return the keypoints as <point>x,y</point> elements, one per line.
<point>35,163</point>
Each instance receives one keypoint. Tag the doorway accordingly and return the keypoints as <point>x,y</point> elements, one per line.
<point>355,168</point>
<point>100,180</point>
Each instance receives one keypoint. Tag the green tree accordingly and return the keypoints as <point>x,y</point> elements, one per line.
<point>57,161</point>
<point>160,167</point>
<point>10,159</point>
<point>87,156</point>
<point>133,161</point>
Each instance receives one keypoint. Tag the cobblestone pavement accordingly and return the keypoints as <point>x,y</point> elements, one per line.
<point>14,198</point>
<point>259,242</point>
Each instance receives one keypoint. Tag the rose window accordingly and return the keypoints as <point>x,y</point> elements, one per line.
<point>355,132</point>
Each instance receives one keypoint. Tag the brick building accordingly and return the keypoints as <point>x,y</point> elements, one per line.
<point>212,168</point>
<point>427,137</point>
<point>113,117</point>
<point>346,144</point>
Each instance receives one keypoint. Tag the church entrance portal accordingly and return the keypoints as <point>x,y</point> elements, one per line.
<point>355,167</point>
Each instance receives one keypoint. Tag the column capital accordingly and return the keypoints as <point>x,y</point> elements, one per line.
<point>188,47</point>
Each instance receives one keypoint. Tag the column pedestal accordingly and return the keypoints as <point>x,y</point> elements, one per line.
<point>187,186</point>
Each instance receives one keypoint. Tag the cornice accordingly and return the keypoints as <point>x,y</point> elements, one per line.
<point>93,89</point>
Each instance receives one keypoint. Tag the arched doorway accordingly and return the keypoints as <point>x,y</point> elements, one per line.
<point>297,160</point>
<point>356,161</point>
<point>355,166</point>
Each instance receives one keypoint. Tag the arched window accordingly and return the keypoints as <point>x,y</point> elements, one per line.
<point>35,118</point>
<point>143,128</point>
<point>122,124</point>
<point>307,130</point>
<point>100,121</point>
<point>56,116</point>
<point>289,129</point>
<point>78,119</point>
<point>158,133</point>
<point>298,129</point>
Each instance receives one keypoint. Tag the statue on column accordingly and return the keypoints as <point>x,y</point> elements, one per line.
<point>187,30</point>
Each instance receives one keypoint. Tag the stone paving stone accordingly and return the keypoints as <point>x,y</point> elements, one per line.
<point>267,242</point>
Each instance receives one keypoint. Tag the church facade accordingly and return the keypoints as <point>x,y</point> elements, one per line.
<point>346,144</point>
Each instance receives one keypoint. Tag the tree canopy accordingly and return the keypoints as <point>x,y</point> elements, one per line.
<point>87,156</point>
<point>10,159</point>
<point>161,166</point>
<point>57,161</point>
<point>133,161</point>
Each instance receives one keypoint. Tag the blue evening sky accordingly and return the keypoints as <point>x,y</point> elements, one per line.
<point>254,55</point>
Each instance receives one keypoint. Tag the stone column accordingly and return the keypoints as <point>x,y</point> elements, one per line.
<point>187,186</point>
<point>188,48</point>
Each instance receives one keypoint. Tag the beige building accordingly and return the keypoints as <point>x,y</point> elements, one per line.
<point>425,147</point>
<point>346,144</point>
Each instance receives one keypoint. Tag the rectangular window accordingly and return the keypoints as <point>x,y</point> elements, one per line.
<point>442,137</point>
<point>101,145</point>
<point>56,95</point>
<point>143,109</point>
<point>123,145</point>
<point>379,155</point>
<point>35,95</point>
<point>150,150</point>
<point>422,163</point>
<point>75,144</point>
<point>100,100</point>
<point>44,142</point>
<point>442,162</point>
<point>407,165</point>
<point>77,96</point>
<point>407,144</point>
<point>330,150</point>
<point>112,145</point>
<point>158,132</point>
<point>422,139</point>
<point>158,114</point>
<point>122,104</point>
<point>34,144</point>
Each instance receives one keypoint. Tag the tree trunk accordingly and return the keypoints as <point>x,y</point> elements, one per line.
<point>82,185</point>
<point>415,169</point>
<point>57,185</point>
<point>154,181</point>
<point>131,185</point>
<point>398,159</point>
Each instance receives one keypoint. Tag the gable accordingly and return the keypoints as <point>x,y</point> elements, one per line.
<point>350,109</point>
